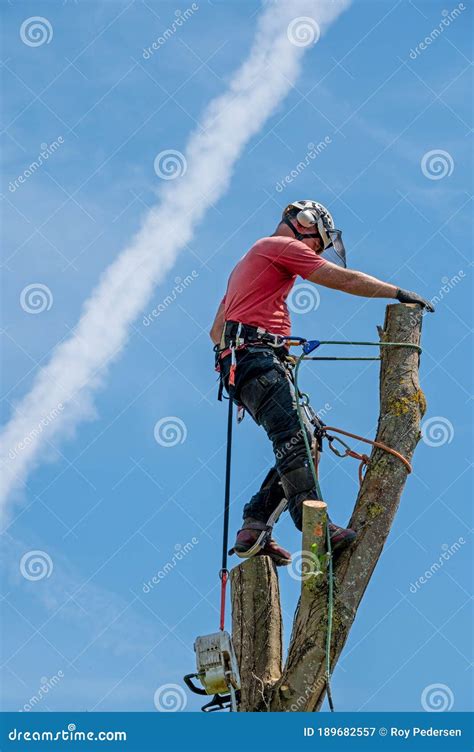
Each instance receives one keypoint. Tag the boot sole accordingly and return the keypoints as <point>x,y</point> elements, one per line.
<point>243,554</point>
<point>278,561</point>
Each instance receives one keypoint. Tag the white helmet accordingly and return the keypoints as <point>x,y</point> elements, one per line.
<point>310,213</point>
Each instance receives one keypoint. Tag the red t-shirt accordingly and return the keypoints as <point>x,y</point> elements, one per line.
<point>260,283</point>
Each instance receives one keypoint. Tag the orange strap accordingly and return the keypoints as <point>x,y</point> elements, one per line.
<point>364,459</point>
<point>224,575</point>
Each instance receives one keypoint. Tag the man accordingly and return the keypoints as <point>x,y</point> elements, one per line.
<point>248,333</point>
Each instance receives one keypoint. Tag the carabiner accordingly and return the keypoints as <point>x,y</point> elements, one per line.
<point>294,341</point>
<point>336,451</point>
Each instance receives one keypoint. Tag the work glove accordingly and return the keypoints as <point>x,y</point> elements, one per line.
<point>405,296</point>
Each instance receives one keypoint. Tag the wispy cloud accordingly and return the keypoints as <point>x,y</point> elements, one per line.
<point>78,367</point>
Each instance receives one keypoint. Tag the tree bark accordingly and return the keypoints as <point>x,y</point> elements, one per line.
<point>302,684</point>
<point>307,653</point>
<point>256,630</point>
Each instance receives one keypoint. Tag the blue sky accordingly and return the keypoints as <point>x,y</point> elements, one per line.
<point>112,507</point>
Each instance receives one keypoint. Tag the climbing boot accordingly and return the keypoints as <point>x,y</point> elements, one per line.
<point>341,537</point>
<point>251,542</point>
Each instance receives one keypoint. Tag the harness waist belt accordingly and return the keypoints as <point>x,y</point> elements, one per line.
<point>236,334</point>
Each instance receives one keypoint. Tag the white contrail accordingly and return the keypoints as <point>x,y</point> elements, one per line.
<point>62,392</point>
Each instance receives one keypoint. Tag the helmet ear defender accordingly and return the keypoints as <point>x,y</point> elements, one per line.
<point>306,218</point>
<point>309,218</point>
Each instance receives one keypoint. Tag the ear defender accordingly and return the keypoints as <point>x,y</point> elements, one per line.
<point>306,218</point>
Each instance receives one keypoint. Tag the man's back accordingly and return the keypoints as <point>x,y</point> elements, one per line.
<point>261,281</point>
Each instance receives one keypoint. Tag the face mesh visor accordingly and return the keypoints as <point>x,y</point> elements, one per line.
<point>336,253</point>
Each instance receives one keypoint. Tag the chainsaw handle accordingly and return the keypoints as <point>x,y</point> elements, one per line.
<point>190,685</point>
<point>218,702</point>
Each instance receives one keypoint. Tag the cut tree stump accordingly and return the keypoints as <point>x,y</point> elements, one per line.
<point>256,620</point>
<point>256,629</point>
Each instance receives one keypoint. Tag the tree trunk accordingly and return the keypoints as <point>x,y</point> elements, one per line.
<point>256,630</point>
<point>302,684</point>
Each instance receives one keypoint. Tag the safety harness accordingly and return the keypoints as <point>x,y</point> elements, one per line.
<point>217,667</point>
<point>237,336</point>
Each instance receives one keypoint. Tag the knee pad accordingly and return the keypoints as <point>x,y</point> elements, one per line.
<point>298,485</point>
<point>297,481</point>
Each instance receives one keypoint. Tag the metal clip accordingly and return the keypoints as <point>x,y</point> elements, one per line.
<point>331,439</point>
<point>294,341</point>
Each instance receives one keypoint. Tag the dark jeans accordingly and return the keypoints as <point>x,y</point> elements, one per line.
<point>263,387</point>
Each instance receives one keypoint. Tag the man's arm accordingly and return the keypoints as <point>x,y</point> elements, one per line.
<point>351,281</point>
<point>218,325</point>
<point>358,283</point>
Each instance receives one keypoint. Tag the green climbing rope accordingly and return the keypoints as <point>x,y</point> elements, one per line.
<point>371,344</point>
<point>335,357</point>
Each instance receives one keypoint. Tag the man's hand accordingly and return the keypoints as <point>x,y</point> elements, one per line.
<point>404,296</point>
